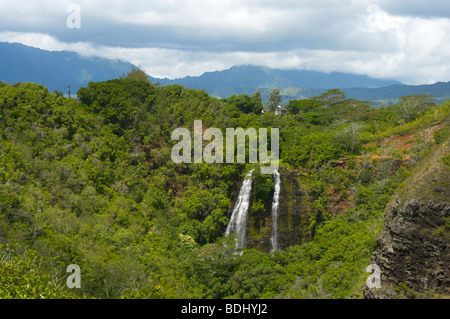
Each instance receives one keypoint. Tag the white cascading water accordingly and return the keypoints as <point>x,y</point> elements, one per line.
<point>238,220</point>
<point>275,203</point>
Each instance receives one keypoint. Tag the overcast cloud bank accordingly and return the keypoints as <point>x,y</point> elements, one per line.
<point>398,40</point>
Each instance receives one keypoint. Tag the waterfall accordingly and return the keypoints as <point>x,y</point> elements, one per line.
<point>276,197</point>
<point>238,220</point>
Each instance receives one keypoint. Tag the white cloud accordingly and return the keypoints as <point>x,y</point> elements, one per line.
<point>175,38</point>
<point>47,42</point>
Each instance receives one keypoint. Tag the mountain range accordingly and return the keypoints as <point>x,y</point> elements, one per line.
<point>55,69</point>
<point>59,69</point>
<point>253,76</point>
<point>302,84</point>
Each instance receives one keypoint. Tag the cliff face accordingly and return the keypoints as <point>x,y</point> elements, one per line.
<point>413,250</point>
<point>295,210</point>
<point>293,215</point>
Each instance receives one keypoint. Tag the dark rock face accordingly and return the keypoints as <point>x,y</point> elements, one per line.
<point>413,250</point>
<point>293,216</point>
<point>294,212</point>
<point>259,225</point>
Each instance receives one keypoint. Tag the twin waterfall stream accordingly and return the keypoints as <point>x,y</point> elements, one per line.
<point>238,220</point>
<point>275,204</point>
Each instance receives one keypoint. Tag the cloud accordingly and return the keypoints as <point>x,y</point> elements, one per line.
<point>421,9</point>
<point>174,38</point>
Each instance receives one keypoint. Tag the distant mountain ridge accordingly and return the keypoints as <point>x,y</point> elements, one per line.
<point>301,84</point>
<point>58,69</point>
<point>253,76</point>
<point>440,91</point>
<point>55,69</point>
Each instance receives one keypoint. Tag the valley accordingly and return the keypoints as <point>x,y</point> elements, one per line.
<point>92,182</point>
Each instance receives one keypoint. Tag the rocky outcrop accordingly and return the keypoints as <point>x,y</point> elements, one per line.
<point>413,250</point>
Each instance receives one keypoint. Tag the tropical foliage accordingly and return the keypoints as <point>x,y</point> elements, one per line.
<point>91,182</point>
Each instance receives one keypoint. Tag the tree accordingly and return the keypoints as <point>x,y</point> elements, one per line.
<point>274,99</point>
<point>246,104</point>
<point>310,150</point>
<point>136,75</point>
<point>257,95</point>
<point>350,136</point>
<point>412,104</point>
<point>331,97</point>
<point>302,106</point>
<point>59,93</point>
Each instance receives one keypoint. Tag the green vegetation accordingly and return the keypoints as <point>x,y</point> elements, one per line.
<point>91,182</point>
<point>298,106</point>
<point>274,99</point>
<point>23,278</point>
<point>246,104</point>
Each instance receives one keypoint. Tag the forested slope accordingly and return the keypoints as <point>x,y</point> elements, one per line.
<point>92,183</point>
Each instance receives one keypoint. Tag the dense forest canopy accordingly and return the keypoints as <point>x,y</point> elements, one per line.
<point>91,182</point>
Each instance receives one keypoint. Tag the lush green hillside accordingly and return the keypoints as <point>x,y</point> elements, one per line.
<point>92,183</point>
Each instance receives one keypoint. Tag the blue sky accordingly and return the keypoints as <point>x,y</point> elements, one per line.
<point>404,40</point>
